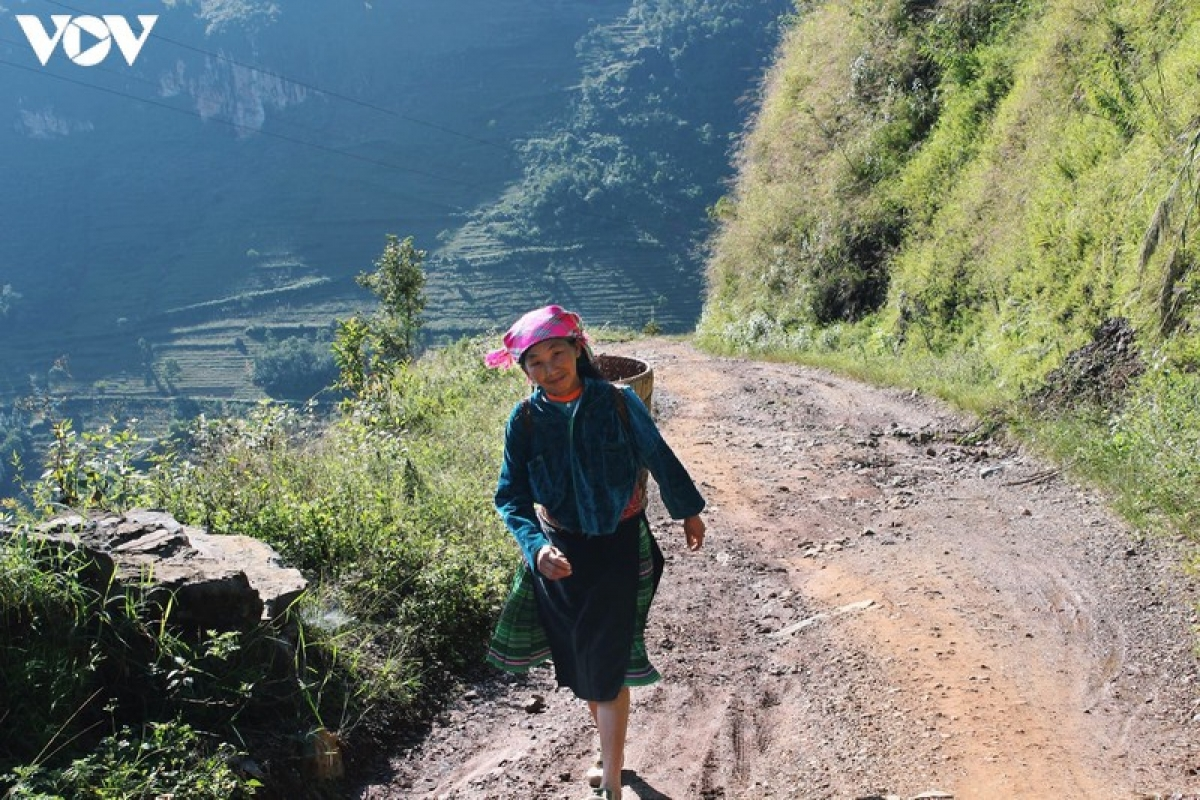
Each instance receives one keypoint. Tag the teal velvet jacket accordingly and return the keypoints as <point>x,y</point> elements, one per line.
<point>583,466</point>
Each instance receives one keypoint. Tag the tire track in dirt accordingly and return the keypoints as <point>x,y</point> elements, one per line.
<point>877,611</point>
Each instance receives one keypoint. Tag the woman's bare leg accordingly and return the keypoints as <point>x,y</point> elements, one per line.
<point>612,721</point>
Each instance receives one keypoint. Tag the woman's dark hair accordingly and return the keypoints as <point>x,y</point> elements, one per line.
<point>586,367</point>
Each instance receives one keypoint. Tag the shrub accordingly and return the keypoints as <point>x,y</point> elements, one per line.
<point>91,469</point>
<point>296,368</point>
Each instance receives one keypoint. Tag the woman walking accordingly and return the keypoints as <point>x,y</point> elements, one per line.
<point>570,493</point>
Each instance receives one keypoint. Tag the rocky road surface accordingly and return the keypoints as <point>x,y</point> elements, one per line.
<point>880,611</point>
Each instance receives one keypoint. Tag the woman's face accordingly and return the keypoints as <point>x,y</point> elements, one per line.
<point>551,365</point>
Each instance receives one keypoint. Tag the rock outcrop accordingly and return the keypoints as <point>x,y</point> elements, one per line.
<point>211,581</point>
<point>1100,373</point>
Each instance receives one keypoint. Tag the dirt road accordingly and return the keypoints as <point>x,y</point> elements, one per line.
<point>879,611</point>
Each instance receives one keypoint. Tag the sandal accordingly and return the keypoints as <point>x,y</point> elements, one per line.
<point>595,774</point>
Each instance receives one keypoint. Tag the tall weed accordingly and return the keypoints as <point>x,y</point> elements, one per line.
<point>47,667</point>
<point>1147,455</point>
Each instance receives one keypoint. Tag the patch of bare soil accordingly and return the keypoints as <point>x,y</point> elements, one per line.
<point>879,611</point>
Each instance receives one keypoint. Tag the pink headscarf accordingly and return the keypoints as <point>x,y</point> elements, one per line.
<point>550,322</point>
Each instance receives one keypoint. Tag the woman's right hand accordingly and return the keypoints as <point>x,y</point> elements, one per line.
<point>552,563</point>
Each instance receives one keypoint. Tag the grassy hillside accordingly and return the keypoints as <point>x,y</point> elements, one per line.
<point>955,195</point>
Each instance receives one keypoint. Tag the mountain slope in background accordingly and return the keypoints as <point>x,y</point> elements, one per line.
<point>621,189</point>
<point>167,220</point>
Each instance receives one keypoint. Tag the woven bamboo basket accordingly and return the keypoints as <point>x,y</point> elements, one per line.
<point>637,375</point>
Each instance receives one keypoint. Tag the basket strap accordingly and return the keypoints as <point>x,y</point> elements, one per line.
<point>622,410</point>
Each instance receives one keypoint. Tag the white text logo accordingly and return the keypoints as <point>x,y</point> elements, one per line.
<point>86,40</point>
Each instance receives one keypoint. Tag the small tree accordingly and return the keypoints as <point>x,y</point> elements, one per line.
<point>374,344</point>
<point>399,283</point>
<point>352,353</point>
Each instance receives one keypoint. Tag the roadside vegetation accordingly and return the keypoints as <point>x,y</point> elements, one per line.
<point>386,508</point>
<point>956,196</point>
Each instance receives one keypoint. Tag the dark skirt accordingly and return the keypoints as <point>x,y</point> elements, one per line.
<point>592,624</point>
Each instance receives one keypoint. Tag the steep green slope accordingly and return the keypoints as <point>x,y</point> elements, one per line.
<point>955,195</point>
<point>967,175</point>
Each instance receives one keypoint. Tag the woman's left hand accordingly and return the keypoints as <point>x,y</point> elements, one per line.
<point>693,529</point>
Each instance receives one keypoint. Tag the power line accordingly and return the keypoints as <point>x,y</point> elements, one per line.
<point>128,76</point>
<point>317,89</point>
<point>241,127</point>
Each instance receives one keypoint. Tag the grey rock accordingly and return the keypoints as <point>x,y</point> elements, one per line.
<point>221,581</point>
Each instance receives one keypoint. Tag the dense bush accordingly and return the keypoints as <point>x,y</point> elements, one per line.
<point>295,368</point>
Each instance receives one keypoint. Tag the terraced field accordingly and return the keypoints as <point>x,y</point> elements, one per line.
<point>479,280</point>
